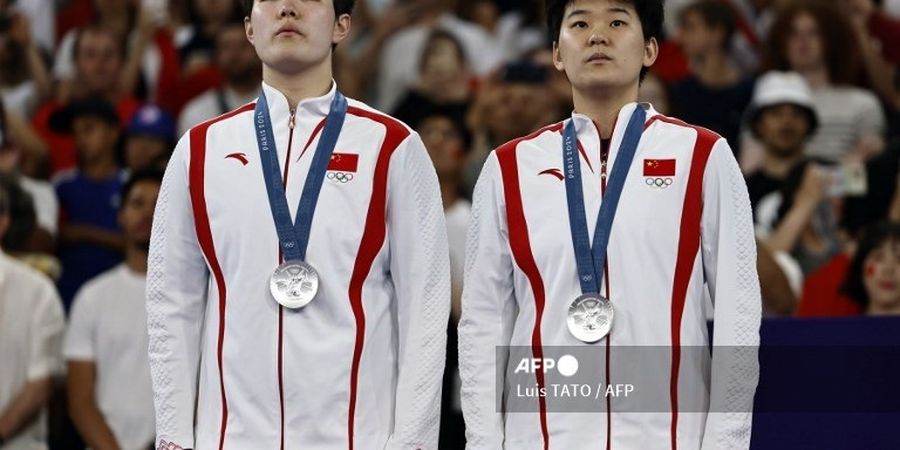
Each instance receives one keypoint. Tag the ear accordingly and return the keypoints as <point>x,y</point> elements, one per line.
<point>341,29</point>
<point>651,51</point>
<point>248,29</point>
<point>557,58</point>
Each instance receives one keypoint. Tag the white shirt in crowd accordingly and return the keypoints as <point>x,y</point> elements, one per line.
<point>31,330</point>
<point>108,326</point>
<point>678,233</point>
<point>457,216</point>
<point>362,364</point>
<point>210,104</point>
<point>402,54</point>
<point>847,115</point>
<point>46,205</point>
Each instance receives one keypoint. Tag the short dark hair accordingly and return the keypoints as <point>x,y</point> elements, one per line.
<point>19,207</point>
<point>152,175</point>
<point>341,7</point>
<point>650,13</point>
<point>875,235</point>
<point>715,13</point>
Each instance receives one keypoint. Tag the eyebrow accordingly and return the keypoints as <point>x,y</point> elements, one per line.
<point>582,12</point>
<point>577,12</point>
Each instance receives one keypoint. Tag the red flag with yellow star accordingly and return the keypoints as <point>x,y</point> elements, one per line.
<point>659,167</point>
<point>344,162</point>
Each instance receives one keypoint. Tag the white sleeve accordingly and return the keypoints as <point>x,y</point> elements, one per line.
<point>488,310</point>
<point>729,261</point>
<point>48,324</point>
<point>177,281</point>
<point>420,271</point>
<point>79,343</point>
<point>64,68</point>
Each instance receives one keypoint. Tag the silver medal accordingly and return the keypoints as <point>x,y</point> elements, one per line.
<point>294,284</point>
<point>590,318</point>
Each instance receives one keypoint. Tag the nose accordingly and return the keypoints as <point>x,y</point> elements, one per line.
<point>288,9</point>
<point>597,38</point>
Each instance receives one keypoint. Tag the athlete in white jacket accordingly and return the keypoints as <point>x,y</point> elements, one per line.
<point>360,366</point>
<point>683,228</point>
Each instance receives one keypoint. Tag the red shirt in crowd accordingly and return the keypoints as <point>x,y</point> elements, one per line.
<point>821,291</point>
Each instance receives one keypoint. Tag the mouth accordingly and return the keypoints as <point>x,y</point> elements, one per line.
<point>288,31</point>
<point>887,285</point>
<point>598,58</point>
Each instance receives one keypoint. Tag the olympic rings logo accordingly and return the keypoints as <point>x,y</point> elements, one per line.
<point>340,177</point>
<point>658,183</point>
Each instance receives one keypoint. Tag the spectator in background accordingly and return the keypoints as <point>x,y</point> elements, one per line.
<point>447,139</point>
<point>134,23</point>
<point>444,80</point>
<point>782,118</point>
<point>106,341</point>
<point>654,91</point>
<point>401,57</point>
<point>802,217</point>
<point>873,279</point>
<point>149,139</point>
<point>716,93</point>
<point>99,58</point>
<point>237,60</point>
<point>24,80</point>
<point>515,32</point>
<point>199,42</point>
<point>41,18</point>
<point>90,240</point>
<point>516,103</point>
<point>42,195</point>
<point>31,329</point>
<point>878,35</point>
<point>814,40</point>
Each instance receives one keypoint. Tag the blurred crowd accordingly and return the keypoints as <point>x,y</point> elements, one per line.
<point>95,93</point>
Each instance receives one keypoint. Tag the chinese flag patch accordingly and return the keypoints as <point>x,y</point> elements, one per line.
<point>343,162</point>
<point>659,167</point>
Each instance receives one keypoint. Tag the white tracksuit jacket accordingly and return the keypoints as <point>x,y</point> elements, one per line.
<point>667,240</point>
<point>358,368</point>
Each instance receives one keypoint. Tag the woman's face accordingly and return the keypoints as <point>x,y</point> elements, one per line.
<point>881,275</point>
<point>804,45</point>
<point>443,61</point>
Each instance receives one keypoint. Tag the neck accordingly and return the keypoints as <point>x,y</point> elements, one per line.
<point>244,87</point>
<point>449,193</point>
<point>817,77</point>
<point>714,69</point>
<point>603,105</point>
<point>136,258</point>
<point>779,166</point>
<point>311,82</point>
<point>890,309</point>
<point>100,170</point>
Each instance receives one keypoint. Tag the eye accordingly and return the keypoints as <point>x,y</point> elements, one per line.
<point>617,23</point>
<point>580,24</point>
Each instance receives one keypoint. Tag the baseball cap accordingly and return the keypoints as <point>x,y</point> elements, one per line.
<point>153,121</point>
<point>779,88</point>
<point>61,120</point>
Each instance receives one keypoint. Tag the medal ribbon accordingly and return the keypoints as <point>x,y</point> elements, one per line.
<point>293,237</point>
<point>591,260</point>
